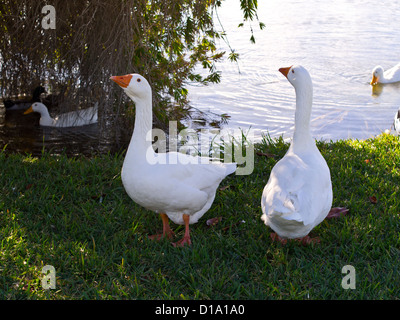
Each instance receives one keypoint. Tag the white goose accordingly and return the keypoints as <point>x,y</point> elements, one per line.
<point>389,76</point>
<point>171,184</point>
<point>298,195</point>
<point>70,119</point>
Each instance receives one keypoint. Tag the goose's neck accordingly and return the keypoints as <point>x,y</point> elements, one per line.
<point>302,138</point>
<point>45,118</point>
<point>141,142</point>
<point>45,113</point>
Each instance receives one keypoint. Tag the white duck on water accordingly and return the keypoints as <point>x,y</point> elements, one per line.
<point>389,76</point>
<point>70,119</point>
<point>298,194</point>
<point>171,184</point>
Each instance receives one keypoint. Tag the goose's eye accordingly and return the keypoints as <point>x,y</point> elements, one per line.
<point>292,71</point>
<point>138,80</point>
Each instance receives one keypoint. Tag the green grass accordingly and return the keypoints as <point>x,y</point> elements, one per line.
<point>73,214</point>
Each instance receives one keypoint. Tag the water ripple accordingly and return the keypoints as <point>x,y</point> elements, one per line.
<point>339,46</point>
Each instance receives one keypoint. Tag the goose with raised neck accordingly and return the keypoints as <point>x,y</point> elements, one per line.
<point>181,191</point>
<point>298,194</point>
<point>302,138</point>
<point>140,144</point>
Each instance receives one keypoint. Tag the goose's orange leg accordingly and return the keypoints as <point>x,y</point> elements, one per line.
<point>167,232</point>
<point>186,237</point>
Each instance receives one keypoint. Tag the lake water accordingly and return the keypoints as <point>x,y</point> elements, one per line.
<point>339,42</point>
<point>22,134</point>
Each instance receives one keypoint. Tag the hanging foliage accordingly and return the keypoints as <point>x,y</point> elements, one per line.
<point>92,40</point>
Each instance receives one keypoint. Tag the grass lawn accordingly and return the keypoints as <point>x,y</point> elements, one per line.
<point>74,214</point>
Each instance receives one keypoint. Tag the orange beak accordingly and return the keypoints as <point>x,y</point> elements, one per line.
<point>374,80</point>
<point>122,81</point>
<point>30,110</point>
<point>285,71</point>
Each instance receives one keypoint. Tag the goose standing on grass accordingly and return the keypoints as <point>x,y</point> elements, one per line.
<point>298,195</point>
<point>70,119</point>
<point>179,187</point>
<point>389,76</point>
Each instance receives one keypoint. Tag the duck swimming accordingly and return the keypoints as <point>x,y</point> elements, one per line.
<point>70,119</point>
<point>389,76</point>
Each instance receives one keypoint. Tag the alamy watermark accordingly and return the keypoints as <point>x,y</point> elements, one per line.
<point>49,20</point>
<point>49,278</point>
<point>349,281</point>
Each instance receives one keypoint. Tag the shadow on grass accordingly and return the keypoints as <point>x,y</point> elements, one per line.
<point>74,214</point>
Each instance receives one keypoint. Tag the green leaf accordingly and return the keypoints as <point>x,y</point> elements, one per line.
<point>233,56</point>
